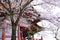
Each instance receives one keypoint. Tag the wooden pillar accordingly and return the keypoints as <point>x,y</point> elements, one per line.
<point>3,34</point>
<point>19,36</point>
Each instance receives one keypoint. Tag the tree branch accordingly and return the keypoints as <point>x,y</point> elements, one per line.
<point>10,12</point>
<point>21,11</point>
<point>21,2</point>
<point>27,3</point>
<point>9,4</point>
<point>4,6</point>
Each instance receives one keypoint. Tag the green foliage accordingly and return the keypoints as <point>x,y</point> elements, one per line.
<point>0,23</point>
<point>34,29</point>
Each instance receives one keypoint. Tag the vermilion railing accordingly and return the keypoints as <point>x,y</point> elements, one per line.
<point>20,36</point>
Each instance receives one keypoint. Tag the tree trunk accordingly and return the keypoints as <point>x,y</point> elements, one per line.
<point>56,38</point>
<point>13,32</point>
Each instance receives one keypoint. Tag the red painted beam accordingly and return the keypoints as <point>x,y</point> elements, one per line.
<point>10,36</point>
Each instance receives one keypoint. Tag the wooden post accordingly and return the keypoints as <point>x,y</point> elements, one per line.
<point>19,36</point>
<point>3,34</point>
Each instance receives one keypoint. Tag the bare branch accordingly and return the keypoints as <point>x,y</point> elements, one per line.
<point>21,10</point>
<point>9,4</point>
<point>20,5</point>
<point>10,12</point>
<point>21,2</point>
<point>50,3</point>
<point>27,3</point>
<point>4,6</point>
<point>36,4</point>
